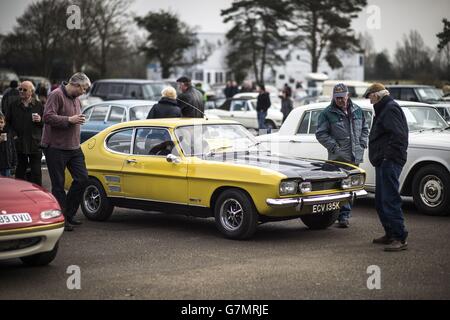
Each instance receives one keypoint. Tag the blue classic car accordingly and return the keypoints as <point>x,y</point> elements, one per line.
<point>100,116</point>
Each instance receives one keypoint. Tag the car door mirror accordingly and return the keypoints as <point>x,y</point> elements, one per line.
<point>172,158</point>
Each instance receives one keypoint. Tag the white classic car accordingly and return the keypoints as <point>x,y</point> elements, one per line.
<point>242,108</point>
<point>444,110</point>
<point>426,174</point>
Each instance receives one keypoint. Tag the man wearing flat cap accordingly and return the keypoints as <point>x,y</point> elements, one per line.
<point>190,100</point>
<point>343,131</point>
<point>388,144</point>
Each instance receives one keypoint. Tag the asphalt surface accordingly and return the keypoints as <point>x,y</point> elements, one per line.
<point>142,255</point>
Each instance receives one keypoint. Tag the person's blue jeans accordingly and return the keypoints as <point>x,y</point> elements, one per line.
<point>388,201</point>
<point>345,212</point>
<point>5,172</point>
<point>262,119</point>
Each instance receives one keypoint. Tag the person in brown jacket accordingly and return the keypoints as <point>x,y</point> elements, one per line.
<point>61,144</point>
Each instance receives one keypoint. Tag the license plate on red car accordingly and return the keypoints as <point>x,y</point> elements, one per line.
<point>15,218</point>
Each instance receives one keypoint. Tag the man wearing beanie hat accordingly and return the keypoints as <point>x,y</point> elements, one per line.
<point>343,131</point>
<point>388,142</point>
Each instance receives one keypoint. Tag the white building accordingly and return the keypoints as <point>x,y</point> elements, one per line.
<point>211,50</point>
<point>298,65</point>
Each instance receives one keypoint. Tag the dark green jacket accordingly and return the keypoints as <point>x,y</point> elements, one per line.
<point>344,136</point>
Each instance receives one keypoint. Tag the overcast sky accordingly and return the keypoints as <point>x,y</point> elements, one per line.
<point>396,17</point>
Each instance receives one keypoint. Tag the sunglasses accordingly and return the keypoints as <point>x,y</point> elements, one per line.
<point>23,90</point>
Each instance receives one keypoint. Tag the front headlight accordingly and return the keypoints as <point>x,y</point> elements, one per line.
<point>50,214</point>
<point>357,180</point>
<point>305,187</point>
<point>288,187</point>
<point>354,181</point>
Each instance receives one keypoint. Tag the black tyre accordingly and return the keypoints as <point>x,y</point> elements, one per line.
<point>41,259</point>
<point>235,214</point>
<point>320,221</point>
<point>95,204</point>
<point>431,190</point>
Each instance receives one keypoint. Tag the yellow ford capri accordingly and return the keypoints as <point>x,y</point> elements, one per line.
<point>211,168</point>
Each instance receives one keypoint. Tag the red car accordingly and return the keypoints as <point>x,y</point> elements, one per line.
<point>31,222</point>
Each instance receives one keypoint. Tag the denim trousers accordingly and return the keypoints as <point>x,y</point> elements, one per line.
<point>262,119</point>
<point>57,162</point>
<point>5,172</point>
<point>345,212</point>
<point>388,201</point>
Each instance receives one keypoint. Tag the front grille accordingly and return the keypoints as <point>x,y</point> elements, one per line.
<point>10,245</point>
<point>326,185</point>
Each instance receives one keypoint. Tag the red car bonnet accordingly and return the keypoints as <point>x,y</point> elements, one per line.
<point>17,196</point>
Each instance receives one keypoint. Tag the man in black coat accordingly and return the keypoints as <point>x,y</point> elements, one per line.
<point>167,106</point>
<point>25,119</point>
<point>10,96</point>
<point>262,105</point>
<point>388,144</point>
<point>190,100</point>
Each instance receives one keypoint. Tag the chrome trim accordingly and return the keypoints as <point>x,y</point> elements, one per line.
<point>9,232</point>
<point>172,159</point>
<point>311,200</point>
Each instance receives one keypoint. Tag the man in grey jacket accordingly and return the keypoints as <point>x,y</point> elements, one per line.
<point>343,131</point>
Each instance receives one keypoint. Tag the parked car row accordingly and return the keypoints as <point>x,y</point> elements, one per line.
<point>123,89</point>
<point>219,169</point>
<point>242,108</point>
<point>102,115</point>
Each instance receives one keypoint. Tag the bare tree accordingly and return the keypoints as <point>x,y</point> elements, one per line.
<point>82,42</point>
<point>37,37</point>
<point>412,56</point>
<point>110,24</point>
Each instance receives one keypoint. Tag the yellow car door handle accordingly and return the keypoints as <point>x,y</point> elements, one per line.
<point>131,161</point>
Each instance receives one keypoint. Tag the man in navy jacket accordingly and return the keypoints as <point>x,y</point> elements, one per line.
<point>388,144</point>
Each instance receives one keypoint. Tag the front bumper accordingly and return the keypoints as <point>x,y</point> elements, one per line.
<point>299,202</point>
<point>49,236</point>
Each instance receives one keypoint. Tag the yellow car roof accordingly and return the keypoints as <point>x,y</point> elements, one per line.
<point>171,122</point>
